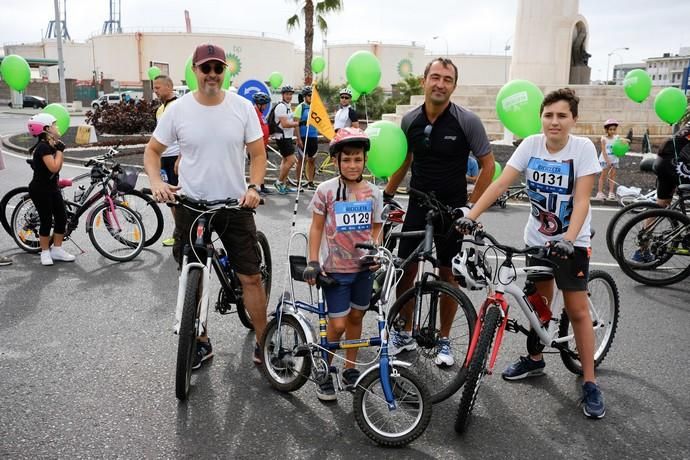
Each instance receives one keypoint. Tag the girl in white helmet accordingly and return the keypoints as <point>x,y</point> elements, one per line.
<point>43,188</point>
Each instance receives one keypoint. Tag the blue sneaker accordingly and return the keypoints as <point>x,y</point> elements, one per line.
<point>204,351</point>
<point>523,368</point>
<point>280,187</point>
<point>592,401</point>
<point>642,256</point>
<point>399,342</point>
<point>444,357</point>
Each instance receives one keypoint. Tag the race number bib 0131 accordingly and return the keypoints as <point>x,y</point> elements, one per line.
<point>549,176</point>
<point>353,216</point>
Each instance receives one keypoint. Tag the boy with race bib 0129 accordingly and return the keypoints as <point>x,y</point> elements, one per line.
<point>346,210</point>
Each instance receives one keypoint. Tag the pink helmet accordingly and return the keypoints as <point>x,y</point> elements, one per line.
<point>348,136</point>
<point>39,122</point>
<point>610,122</point>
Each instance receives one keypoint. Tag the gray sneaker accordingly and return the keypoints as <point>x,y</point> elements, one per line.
<point>326,391</point>
<point>399,342</point>
<point>5,261</point>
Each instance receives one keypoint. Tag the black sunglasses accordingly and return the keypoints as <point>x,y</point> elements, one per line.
<point>217,68</point>
<point>427,135</point>
<point>345,97</point>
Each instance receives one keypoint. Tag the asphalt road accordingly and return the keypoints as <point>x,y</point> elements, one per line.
<point>87,369</point>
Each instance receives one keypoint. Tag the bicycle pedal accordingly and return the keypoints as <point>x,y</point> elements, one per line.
<point>302,350</point>
<point>512,326</point>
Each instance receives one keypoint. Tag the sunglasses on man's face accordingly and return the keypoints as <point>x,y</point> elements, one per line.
<point>217,68</point>
<point>345,97</point>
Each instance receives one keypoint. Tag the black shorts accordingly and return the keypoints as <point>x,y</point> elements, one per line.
<point>168,165</point>
<point>312,146</point>
<point>236,230</point>
<point>571,274</point>
<point>667,178</point>
<point>286,146</point>
<point>446,243</point>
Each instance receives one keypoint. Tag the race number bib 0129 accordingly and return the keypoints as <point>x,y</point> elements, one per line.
<point>353,216</point>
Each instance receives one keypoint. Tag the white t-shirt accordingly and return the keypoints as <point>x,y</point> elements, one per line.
<point>551,179</point>
<point>173,150</point>
<point>609,150</point>
<point>283,110</point>
<point>212,139</point>
<point>344,117</point>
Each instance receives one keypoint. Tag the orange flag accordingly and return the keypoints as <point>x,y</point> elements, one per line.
<point>318,116</point>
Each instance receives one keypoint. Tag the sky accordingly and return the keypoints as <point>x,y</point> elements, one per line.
<point>647,27</point>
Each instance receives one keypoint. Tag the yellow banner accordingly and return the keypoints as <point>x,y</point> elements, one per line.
<point>318,116</point>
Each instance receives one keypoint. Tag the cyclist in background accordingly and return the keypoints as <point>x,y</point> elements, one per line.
<point>284,138</point>
<point>345,116</point>
<point>261,101</point>
<point>213,128</point>
<point>332,240</point>
<point>48,157</point>
<point>163,87</point>
<point>307,139</point>
<point>560,170</point>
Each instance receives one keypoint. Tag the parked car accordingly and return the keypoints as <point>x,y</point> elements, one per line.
<point>111,98</point>
<point>37,102</point>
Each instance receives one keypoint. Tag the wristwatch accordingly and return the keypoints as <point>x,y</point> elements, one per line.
<point>251,186</point>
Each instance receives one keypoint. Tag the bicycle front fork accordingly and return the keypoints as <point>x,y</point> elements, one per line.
<point>182,288</point>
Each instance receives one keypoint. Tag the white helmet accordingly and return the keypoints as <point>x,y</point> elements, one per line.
<point>470,270</point>
<point>39,122</point>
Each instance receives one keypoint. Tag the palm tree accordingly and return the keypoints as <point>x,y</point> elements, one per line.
<point>312,10</point>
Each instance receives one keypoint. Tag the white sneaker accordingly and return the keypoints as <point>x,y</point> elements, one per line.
<point>57,253</point>
<point>600,196</point>
<point>399,342</point>
<point>445,355</point>
<point>46,259</point>
<point>612,196</point>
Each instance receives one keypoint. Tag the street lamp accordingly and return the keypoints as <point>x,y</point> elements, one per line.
<point>437,37</point>
<point>608,62</point>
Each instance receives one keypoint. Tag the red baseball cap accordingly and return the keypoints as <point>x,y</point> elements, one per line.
<point>208,52</point>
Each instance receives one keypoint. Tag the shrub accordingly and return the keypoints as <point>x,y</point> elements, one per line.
<point>133,117</point>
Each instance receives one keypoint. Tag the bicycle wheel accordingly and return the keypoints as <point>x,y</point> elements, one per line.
<point>442,382</point>
<point>283,370</point>
<point>477,368</point>
<point>392,427</point>
<point>148,211</point>
<point>654,247</point>
<point>604,309</point>
<point>620,218</point>
<point>266,270</point>
<point>117,234</point>
<point>7,205</point>
<point>25,225</point>
<point>189,330</point>
<point>325,163</point>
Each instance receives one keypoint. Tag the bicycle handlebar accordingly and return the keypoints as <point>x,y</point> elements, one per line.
<point>430,201</point>
<point>228,203</point>
<point>541,252</point>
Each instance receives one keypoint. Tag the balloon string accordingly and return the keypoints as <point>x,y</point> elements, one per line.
<point>366,111</point>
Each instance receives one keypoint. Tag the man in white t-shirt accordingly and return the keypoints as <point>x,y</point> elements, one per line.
<point>284,138</point>
<point>213,127</point>
<point>346,115</point>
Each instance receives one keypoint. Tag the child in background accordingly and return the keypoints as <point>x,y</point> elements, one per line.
<point>608,161</point>
<point>346,210</point>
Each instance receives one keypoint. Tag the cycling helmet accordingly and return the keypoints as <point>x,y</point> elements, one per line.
<point>349,136</point>
<point>306,91</point>
<point>39,122</point>
<point>347,91</point>
<point>287,89</point>
<point>261,98</point>
<point>610,122</point>
<point>470,270</point>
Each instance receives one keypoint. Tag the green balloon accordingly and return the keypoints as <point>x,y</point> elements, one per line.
<point>355,94</point>
<point>620,148</point>
<point>61,115</point>
<point>637,85</point>
<point>363,71</point>
<point>517,105</point>
<point>16,72</point>
<point>153,72</point>
<point>189,76</point>
<point>318,64</point>
<point>388,148</point>
<point>227,79</point>
<point>275,79</point>
<point>497,170</point>
<point>670,105</point>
